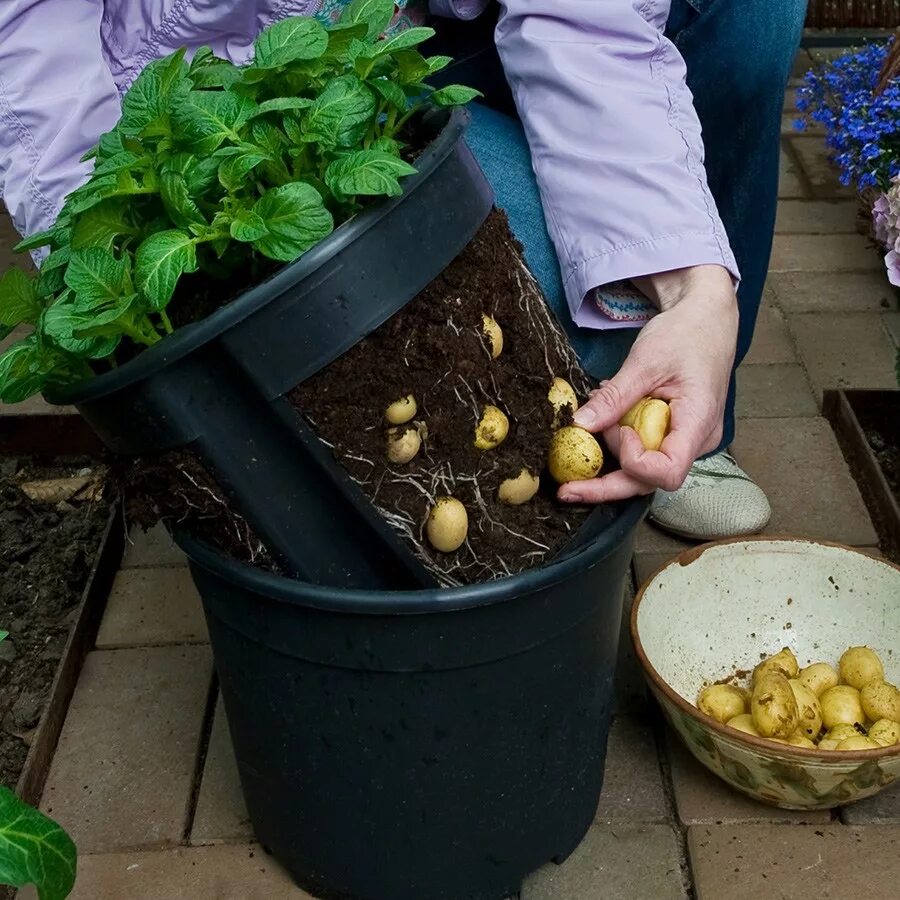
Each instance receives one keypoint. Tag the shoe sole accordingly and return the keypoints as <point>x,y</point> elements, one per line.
<point>692,536</point>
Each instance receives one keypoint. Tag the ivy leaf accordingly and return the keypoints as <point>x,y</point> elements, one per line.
<point>21,376</point>
<point>95,275</point>
<point>376,14</point>
<point>234,170</point>
<point>403,40</point>
<point>297,37</point>
<point>369,173</point>
<point>295,218</point>
<point>176,198</point>
<point>207,118</point>
<point>280,104</point>
<point>341,114</point>
<point>100,226</point>
<point>389,91</point>
<point>160,261</point>
<point>18,299</point>
<point>454,95</point>
<point>248,226</point>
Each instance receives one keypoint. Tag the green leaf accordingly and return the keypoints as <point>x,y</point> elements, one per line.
<point>206,118</point>
<point>101,225</point>
<point>176,198</point>
<point>160,261</point>
<point>234,170</point>
<point>4,635</point>
<point>142,101</point>
<point>21,376</point>
<point>390,91</point>
<point>220,75</point>
<point>48,238</point>
<point>341,114</point>
<point>387,144</point>
<point>96,276</point>
<point>294,130</point>
<point>18,299</point>
<point>340,38</point>
<point>376,14</point>
<point>279,104</point>
<point>437,63</point>
<point>125,159</point>
<point>295,218</point>
<point>203,56</point>
<point>412,67</point>
<point>200,172</point>
<point>403,40</point>
<point>64,318</point>
<point>454,95</point>
<point>268,136</point>
<point>248,226</point>
<point>297,37</point>
<point>368,173</point>
<point>53,269</point>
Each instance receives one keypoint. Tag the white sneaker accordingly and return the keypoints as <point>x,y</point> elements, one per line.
<point>717,500</point>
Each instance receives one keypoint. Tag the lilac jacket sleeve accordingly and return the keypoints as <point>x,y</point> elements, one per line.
<point>615,141</point>
<point>57,97</point>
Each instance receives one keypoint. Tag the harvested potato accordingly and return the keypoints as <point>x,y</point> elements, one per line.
<point>574,455</point>
<point>403,443</point>
<point>518,490</point>
<point>650,418</point>
<point>858,742</point>
<point>743,722</point>
<point>783,661</point>
<point>561,395</point>
<point>447,525</point>
<point>493,334</point>
<point>841,706</point>
<point>810,710</point>
<point>401,411</point>
<point>818,677</point>
<point>721,702</point>
<point>840,732</point>
<point>859,666</point>
<point>491,431</point>
<point>827,744</point>
<point>880,700</point>
<point>774,707</point>
<point>799,739</point>
<point>885,732</point>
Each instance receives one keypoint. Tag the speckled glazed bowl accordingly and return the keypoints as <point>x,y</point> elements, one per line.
<point>714,609</point>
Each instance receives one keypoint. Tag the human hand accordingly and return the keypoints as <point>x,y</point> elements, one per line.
<point>684,355</point>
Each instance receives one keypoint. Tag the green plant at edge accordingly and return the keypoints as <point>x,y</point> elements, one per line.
<point>216,168</point>
<point>34,849</point>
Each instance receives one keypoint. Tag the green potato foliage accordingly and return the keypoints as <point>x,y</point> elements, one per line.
<point>213,168</point>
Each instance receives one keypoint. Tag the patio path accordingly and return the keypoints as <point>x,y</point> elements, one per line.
<point>144,777</point>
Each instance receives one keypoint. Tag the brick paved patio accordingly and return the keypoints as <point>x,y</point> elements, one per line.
<point>144,778</point>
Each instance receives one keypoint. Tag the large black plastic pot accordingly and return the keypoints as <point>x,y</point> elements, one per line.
<point>424,745</point>
<point>217,386</point>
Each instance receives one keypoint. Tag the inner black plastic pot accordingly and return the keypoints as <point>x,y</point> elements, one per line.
<point>422,745</point>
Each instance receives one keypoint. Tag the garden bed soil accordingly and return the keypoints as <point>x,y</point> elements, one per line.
<point>47,551</point>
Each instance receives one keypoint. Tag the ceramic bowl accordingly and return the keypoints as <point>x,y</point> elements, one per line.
<point>719,608</point>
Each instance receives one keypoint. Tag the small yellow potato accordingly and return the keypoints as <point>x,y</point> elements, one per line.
<point>827,744</point>
<point>783,662</point>
<point>494,334</point>
<point>880,700</point>
<point>403,443</point>
<point>518,490</point>
<point>885,732</point>
<point>743,722</point>
<point>859,666</point>
<point>491,431</point>
<point>799,739</point>
<point>574,455</point>
<point>561,395</point>
<point>650,418</point>
<point>774,707</point>
<point>818,677</point>
<point>840,733</point>
<point>810,710</point>
<point>858,742</point>
<point>841,706</point>
<point>721,702</point>
<point>447,525</point>
<point>401,411</point>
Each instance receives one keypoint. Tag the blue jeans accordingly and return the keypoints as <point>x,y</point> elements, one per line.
<point>739,55</point>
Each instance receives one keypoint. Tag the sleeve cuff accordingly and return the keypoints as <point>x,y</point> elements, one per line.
<point>458,9</point>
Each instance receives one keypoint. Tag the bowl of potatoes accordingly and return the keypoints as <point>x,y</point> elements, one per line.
<point>776,661</point>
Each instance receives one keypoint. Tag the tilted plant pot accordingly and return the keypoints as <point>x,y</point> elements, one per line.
<point>420,745</point>
<point>217,386</point>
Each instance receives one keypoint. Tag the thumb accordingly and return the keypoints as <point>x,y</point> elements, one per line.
<point>606,405</point>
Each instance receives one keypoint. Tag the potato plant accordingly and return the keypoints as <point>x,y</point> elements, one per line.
<point>215,168</point>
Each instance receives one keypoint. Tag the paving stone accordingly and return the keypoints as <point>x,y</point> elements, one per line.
<point>647,564</point>
<point>891,322</point>
<point>631,694</point>
<point>703,798</point>
<point>771,339</point>
<point>221,812</point>
<point>798,464</point>
<point>882,809</point>
<point>615,862</point>
<point>9,237</point>
<point>820,173</point>
<point>817,217</point>
<point>123,771</point>
<point>236,872</point>
<point>152,606</point>
<point>650,539</point>
<point>790,184</point>
<point>795,863</point>
<point>823,253</point>
<point>154,547</point>
<point>632,783</point>
<point>796,292</point>
<point>773,392</point>
<point>844,350</point>
<point>802,64</point>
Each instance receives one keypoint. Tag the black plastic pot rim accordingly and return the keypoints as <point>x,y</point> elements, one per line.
<point>187,339</point>
<point>432,600</point>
